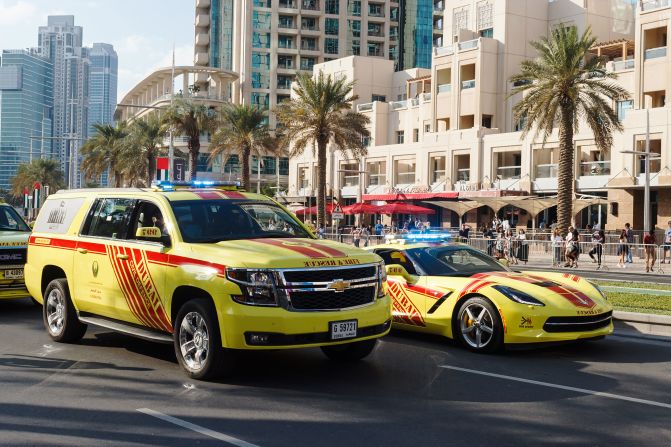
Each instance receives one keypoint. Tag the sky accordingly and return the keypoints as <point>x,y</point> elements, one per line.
<point>142,31</point>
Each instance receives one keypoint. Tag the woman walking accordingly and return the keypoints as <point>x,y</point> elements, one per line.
<point>522,247</point>
<point>557,243</point>
<point>622,249</point>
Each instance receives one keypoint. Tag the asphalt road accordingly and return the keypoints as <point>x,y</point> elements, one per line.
<point>414,390</point>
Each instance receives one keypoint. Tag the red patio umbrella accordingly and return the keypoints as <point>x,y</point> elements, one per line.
<point>403,208</point>
<point>361,208</point>
<point>313,210</point>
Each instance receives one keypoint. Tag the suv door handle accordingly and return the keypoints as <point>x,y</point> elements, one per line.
<point>122,257</point>
<point>82,251</point>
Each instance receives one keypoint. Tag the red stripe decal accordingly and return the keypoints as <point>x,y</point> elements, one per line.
<point>328,250</point>
<point>208,195</point>
<point>233,195</point>
<point>93,247</point>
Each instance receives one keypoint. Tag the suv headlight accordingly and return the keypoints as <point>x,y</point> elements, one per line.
<point>517,296</point>
<point>257,286</point>
<point>381,279</point>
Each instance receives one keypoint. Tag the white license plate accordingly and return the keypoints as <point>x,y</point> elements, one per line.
<point>13,274</point>
<point>343,329</point>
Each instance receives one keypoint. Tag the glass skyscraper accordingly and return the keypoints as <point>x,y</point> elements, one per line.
<point>26,110</point>
<point>102,84</point>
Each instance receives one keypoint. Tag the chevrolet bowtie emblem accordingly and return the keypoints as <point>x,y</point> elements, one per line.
<point>338,285</point>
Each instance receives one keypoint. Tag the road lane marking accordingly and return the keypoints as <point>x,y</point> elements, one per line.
<point>561,387</point>
<point>197,428</point>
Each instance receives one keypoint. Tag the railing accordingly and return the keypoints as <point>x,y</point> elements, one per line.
<point>468,84</point>
<point>595,168</point>
<point>308,47</point>
<point>376,13</point>
<point>286,25</point>
<point>509,172</point>
<point>654,53</point>
<point>405,178</point>
<point>366,107</point>
<point>377,179</point>
<point>446,50</point>
<point>395,105</point>
<point>426,97</point>
<point>307,66</point>
<point>464,174</point>
<point>284,85</point>
<point>546,170</point>
<point>438,176</point>
<point>308,27</point>
<point>312,5</point>
<point>287,65</point>
<point>414,102</point>
<point>647,5</point>
<point>375,33</point>
<point>468,45</point>
<point>197,96</point>
<point>286,4</point>
<point>623,65</point>
<point>286,45</point>
<point>444,88</point>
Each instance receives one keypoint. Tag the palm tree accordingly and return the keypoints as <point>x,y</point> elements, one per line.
<point>190,119</point>
<point>146,137</point>
<point>243,131</point>
<point>564,85</point>
<point>104,152</point>
<point>45,171</point>
<point>319,115</point>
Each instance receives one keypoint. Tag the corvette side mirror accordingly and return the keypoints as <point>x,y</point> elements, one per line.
<point>399,270</point>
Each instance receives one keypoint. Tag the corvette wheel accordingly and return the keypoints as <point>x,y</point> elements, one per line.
<point>479,325</point>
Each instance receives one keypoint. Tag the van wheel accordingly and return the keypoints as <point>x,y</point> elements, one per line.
<point>198,341</point>
<point>350,352</point>
<point>59,315</point>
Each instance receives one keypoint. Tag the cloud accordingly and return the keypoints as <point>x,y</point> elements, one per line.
<point>16,12</point>
<point>183,56</point>
<point>135,43</point>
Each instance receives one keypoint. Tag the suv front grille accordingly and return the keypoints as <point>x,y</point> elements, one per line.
<point>577,324</point>
<point>13,256</point>
<point>329,288</point>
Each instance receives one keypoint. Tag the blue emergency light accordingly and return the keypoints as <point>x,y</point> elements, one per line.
<point>195,184</point>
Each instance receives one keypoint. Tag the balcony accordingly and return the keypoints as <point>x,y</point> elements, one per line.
<point>286,25</point>
<point>444,88</point>
<point>414,102</point>
<point>202,20</point>
<point>546,170</point>
<point>464,175</point>
<point>647,5</point>
<point>309,47</point>
<point>623,65</point>
<point>202,58</point>
<point>375,33</point>
<point>654,53</point>
<point>590,168</point>
<point>309,27</point>
<point>286,45</point>
<point>307,66</point>
<point>443,51</point>
<point>284,85</point>
<point>377,12</point>
<point>426,97</point>
<point>202,39</point>
<point>469,44</point>
<point>396,105</point>
<point>310,5</point>
<point>465,85</point>
<point>287,4</point>
<point>508,172</point>
<point>202,3</point>
<point>286,65</point>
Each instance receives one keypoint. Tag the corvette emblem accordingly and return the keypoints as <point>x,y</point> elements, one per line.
<point>94,269</point>
<point>338,285</point>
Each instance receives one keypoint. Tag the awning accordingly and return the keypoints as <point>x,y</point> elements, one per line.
<point>404,208</point>
<point>412,196</point>
<point>460,208</point>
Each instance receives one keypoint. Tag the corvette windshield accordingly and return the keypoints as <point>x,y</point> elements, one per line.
<point>453,261</point>
<point>209,221</point>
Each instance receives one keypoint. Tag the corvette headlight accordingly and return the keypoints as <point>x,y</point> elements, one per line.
<point>381,279</point>
<point>257,286</point>
<point>517,296</point>
<point>598,289</point>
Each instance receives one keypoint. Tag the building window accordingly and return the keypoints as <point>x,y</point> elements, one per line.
<point>284,165</point>
<point>349,175</point>
<point>285,42</point>
<point>307,63</point>
<point>309,43</point>
<point>330,46</point>
<point>286,22</point>
<point>332,7</point>
<point>356,47</point>
<point>261,20</point>
<point>309,23</point>
<point>487,121</point>
<point>354,27</point>
<point>286,62</point>
<point>415,135</point>
<point>354,7</point>
<point>381,98</point>
<point>485,16</point>
<point>260,100</point>
<point>405,172</point>
<point>377,172</point>
<point>399,137</point>
<point>232,165</point>
<point>260,40</point>
<point>427,128</point>
<point>622,107</point>
<point>437,168</point>
<point>260,60</point>
<point>284,82</point>
<point>489,32</point>
<point>303,173</point>
<point>282,98</point>
<point>459,20</point>
<point>331,27</point>
<point>260,80</point>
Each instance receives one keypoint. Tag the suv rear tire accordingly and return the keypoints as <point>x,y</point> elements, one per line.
<point>350,352</point>
<point>59,315</point>
<point>197,341</point>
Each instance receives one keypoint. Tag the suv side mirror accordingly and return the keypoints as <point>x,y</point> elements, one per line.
<point>399,270</point>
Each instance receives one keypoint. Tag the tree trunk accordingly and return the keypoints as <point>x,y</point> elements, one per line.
<point>117,179</point>
<point>245,169</point>
<point>151,167</point>
<point>321,182</point>
<point>565,174</point>
<point>194,151</point>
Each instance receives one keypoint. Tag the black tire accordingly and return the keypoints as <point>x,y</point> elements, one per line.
<point>488,342</point>
<point>350,352</point>
<point>59,315</point>
<point>199,316</point>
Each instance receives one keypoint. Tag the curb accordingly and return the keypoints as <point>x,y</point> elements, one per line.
<point>647,324</point>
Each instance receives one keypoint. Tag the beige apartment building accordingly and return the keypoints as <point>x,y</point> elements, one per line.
<point>448,134</point>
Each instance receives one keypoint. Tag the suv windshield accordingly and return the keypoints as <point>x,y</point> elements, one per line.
<point>209,221</point>
<point>11,221</point>
<point>453,261</point>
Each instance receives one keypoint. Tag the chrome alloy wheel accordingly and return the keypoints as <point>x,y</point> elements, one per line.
<point>194,341</point>
<point>477,325</point>
<point>55,310</point>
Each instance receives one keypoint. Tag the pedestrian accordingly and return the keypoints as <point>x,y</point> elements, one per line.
<point>356,236</point>
<point>365,234</point>
<point>522,247</point>
<point>630,241</point>
<point>557,243</point>
<point>320,232</point>
<point>598,238</point>
<point>463,232</point>
<point>500,245</point>
<point>667,242</point>
<point>511,246</point>
<point>572,249</point>
<point>650,245</point>
<point>378,228</point>
<point>622,249</point>
<point>488,233</point>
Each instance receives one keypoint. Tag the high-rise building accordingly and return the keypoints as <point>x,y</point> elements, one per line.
<point>26,105</point>
<point>102,84</point>
<point>269,41</point>
<point>61,42</point>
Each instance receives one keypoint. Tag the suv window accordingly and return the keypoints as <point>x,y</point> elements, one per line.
<point>148,214</point>
<point>11,221</point>
<point>109,218</point>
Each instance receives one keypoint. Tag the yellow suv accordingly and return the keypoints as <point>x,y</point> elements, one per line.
<point>211,270</point>
<point>14,234</point>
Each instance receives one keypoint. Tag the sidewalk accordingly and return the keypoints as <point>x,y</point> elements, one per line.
<point>608,264</point>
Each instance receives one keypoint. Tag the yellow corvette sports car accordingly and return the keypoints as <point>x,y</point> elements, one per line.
<point>459,292</point>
